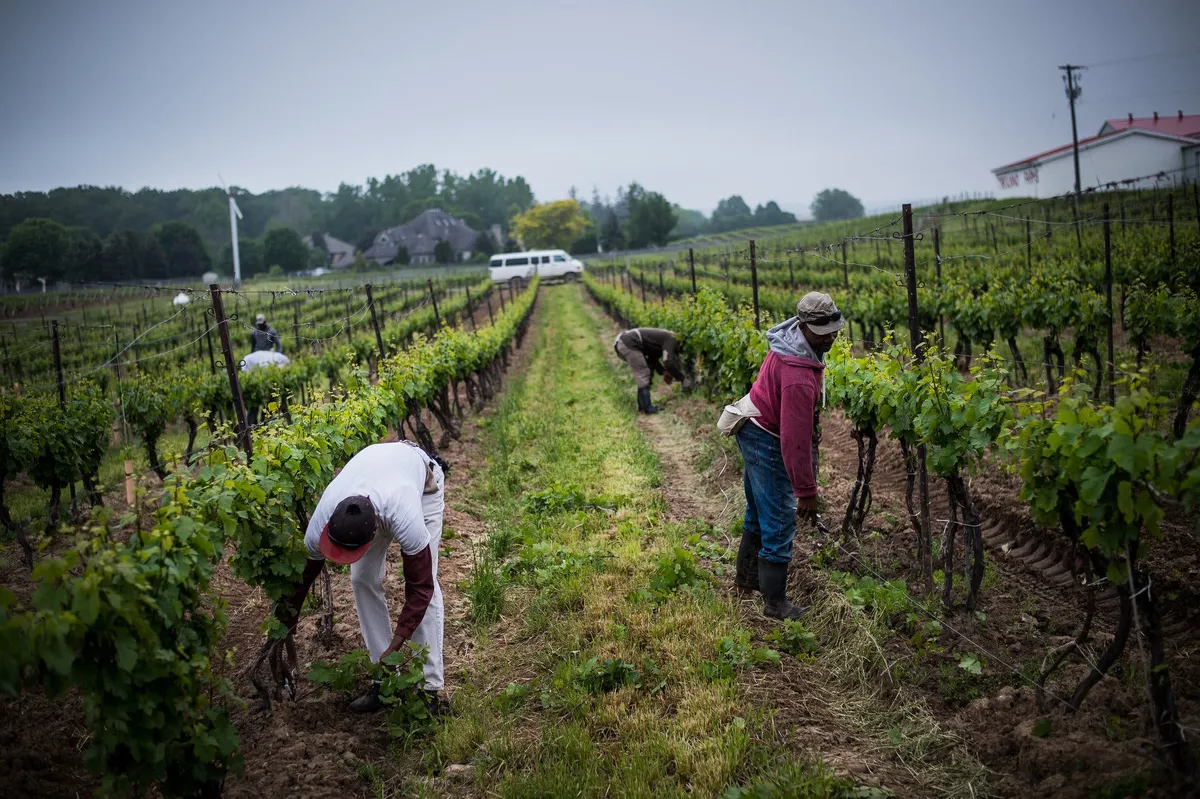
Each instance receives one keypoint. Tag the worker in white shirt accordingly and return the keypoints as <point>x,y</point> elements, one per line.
<point>387,492</point>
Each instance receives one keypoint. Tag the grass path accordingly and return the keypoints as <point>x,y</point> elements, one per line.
<point>832,704</point>
<point>607,660</point>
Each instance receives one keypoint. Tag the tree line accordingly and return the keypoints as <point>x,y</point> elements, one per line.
<point>630,222</point>
<point>107,233</point>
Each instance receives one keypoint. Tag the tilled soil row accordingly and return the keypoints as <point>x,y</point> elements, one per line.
<point>314,746</point>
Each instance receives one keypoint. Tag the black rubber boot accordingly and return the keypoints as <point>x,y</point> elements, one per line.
<point>438,705</point>
<point>367,703</point>
<point>772,581</point>
<point>745,579</point>
<point>644,401</point>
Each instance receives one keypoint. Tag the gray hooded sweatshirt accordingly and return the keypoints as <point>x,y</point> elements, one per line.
<point>786,338</point>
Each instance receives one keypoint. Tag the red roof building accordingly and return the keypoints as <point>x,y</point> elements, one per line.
<point>1131,152</point>
<point>1179,124</point>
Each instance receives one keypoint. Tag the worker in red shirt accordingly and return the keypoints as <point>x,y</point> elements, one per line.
<point>779,448</point>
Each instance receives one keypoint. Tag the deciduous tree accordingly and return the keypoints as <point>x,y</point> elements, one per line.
<point>250,255</point>
<point>651,218</point>
<point>85,256</point>
<point>550,226</point>
<point>689,223</point>
<point>484,244</point>
<point>832,204</point>
<point>282,247</point>
<point>731,213</point>
<point>35,248</point>
<point>122,257</point>
<point>182,249</point>
<point>611,237</point>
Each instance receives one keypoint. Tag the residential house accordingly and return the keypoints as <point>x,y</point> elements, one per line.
<point>420,237</point>
<point>340,254</point>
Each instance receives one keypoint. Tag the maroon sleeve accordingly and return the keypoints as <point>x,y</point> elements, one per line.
<point>418,591</point>
<point>797,406</point>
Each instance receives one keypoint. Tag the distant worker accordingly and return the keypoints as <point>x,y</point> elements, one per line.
<point>387,492</point>
<point>264,337</point>
<point>779,446</point>
<point>648,350</point>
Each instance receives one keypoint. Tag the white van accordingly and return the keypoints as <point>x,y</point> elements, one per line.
<point>518,267</point>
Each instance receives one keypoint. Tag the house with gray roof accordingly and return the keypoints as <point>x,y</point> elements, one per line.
<point>339,254</point>
<point>420,236</point>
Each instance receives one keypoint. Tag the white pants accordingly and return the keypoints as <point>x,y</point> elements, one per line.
<point>366,578</point>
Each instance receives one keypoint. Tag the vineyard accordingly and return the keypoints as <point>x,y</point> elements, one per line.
<point>1002,602</point>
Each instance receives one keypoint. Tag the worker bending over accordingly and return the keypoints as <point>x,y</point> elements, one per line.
<point>387,492</point>
<point>648,350</point>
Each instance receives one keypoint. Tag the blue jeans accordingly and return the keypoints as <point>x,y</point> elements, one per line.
<point>770,501</point>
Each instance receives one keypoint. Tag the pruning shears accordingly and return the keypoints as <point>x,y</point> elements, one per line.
<point>289,683</point>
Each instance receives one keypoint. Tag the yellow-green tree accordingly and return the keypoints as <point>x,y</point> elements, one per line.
<point>550,226</point>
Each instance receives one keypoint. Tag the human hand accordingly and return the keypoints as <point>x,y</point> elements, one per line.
<point>397,642</point>
<point>806,505</point>
<point>284,666</point>
<point>668,378</point>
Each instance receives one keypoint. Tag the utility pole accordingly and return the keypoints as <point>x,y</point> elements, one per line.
<point>1073,92</point>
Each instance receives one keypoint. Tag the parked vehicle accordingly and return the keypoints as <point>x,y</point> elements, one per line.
<point>518,267</point>
<point>512,267</point>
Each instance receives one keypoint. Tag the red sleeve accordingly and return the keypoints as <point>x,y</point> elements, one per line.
<point>796,409</point>
<point>418,591</point>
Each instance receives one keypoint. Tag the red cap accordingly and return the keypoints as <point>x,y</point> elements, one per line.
<point>338,553</point>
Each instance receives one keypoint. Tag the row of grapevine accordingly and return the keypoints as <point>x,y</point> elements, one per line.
<point>162,335</point>
<point>1104,474</point>
<point>60,444</point>
<point>1048,299</point>
<point>129,620</point>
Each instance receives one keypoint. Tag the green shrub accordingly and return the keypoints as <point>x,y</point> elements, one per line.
<point>596,676</point>
<point>401,678</point>
<point>675,570</point>
<point>558,498</point>
<point>793,639</point>
<point>734,653</point>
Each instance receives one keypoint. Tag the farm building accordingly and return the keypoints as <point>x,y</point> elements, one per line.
<point>421,236</point>
<point>1126,153</point>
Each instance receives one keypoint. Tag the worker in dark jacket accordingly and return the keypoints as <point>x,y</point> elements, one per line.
<point>648,350</point>
<point>779,448</point>
<point>264,337</point>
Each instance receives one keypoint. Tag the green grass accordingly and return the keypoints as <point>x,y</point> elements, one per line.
<point>597,674</point>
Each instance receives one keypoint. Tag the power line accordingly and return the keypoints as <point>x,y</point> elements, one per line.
<point>1147,57</point>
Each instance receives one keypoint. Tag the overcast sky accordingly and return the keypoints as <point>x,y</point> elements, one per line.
<point>695,99</point>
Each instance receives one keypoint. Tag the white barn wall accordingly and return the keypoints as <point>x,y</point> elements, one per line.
<point>1105,162</point>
